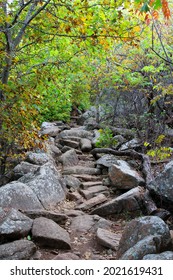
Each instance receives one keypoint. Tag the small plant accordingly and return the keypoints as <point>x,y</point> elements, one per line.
<point>106,139</point>
<point>158,152</point>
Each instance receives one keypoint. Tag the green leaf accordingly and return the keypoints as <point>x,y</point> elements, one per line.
<point>145,8</point>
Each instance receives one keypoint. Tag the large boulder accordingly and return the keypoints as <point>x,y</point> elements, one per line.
<point>47,184</point>
<point>127,202</point>
<point>167,255</point>
<point>49,234</point>
<point>19,196</point>
<point>123,176</point>
<point>17,250</point>
<point>13,224</point>
<point>162,186</point>
<point>142,236</point>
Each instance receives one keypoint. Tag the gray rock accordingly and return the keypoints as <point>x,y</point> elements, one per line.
<point>108,239</point>
<point>132,144</point>
<point>66,256</point>
<point>72,182</point>
<point>162,185</point>
<point>50,235</point>
<point>107,160</point>
<point>142,228</point>
<point>69,143</point>
<point>69,158</point>
<point>89,114</point>
<point>86,185</point>
<point>37,158</point>
<point>149,244</point>
<point>125,132</point>
<point>81,170</point>
<point>19,196</point>
<point>75,132</point>
<point>123,176</point>
<point>46,125</point>
<point>96,137</point>
<point>24,168</point>
<point>17,250</point>
<point>13,224</point>
<point>92,191</point>
<point>168,255</point>
<point>47,185</point>
<point>85,145</point>
<point>56,217</point>
<point>127,202</point>
<point>55,151</point>
<point>88,204</point>
<point>89,223</point>
<point>52,131</point>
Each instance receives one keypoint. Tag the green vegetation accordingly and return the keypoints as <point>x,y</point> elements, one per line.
<point>58,54</point>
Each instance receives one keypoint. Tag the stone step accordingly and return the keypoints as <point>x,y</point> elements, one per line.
<point>86,157</point>
<point>108,239</point>
<point>87,163</point>
<point>88,178</point>
<point>88,204</point>
<point>86,185</point>
<point>81,170</point>
<point>92,191</point>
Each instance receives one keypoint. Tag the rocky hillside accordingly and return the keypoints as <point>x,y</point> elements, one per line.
<point>75,201</point>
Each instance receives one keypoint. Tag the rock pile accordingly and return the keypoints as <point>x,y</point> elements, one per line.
<point>67,204</point>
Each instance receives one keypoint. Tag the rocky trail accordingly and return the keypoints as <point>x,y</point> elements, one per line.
<point>72,203</point>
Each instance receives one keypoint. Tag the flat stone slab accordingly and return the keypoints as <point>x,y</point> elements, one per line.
<point>86,185</point>
<point>92,191</point>
<point>107,160</point>
<point>108,239</point>
<point>48,234</point>
<point>69,143</point>
<point>92,202</point>
<point>87,178</point>
<point>89,223</point>
<point>81,170</point>
<point>56,217</point>
<point>17,250</point>
<point>13,224</point>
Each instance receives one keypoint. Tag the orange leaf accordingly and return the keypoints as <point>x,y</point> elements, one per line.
<point>155,15</point>
<point>165,9</point>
